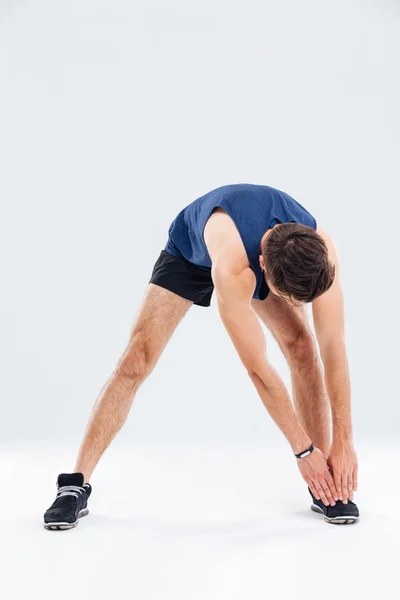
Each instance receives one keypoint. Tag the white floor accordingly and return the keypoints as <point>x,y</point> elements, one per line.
<point>222,522</point>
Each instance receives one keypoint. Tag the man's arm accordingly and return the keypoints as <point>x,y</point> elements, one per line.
<point>234,292</point>
<point>328,314</point>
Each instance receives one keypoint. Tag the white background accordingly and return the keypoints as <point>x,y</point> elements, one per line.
<point>113,116</point>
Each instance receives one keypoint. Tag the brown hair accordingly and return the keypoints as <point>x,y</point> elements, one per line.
<point>296,262</point>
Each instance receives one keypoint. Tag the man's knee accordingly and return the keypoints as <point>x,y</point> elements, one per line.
<point>301,349</point>
<point>137,361</point>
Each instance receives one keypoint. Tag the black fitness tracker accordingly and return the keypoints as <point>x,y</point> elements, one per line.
<point>305,452</point>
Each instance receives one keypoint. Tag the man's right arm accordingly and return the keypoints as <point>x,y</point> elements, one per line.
<point>234,296</point>
<point>234,292</point>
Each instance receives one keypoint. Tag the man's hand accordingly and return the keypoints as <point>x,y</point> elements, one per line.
<point>343,463</point>
<point>315,472</point>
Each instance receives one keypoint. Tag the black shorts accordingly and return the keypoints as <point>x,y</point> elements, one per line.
<point>180,276</point>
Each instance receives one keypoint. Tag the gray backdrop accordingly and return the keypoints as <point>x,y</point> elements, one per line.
<point>113,116</point>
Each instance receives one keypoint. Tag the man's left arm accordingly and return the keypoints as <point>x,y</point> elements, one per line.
<point>328,315</point>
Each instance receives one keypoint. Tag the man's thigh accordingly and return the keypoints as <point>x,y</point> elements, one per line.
<point>285,321</point>
<point>156,320</point>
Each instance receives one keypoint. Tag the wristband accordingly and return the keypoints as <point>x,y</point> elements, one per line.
<point>305,452</point>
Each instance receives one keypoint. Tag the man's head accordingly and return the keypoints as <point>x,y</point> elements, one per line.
<point>296,264</point>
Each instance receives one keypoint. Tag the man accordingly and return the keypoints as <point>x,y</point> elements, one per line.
<point>266,257</point>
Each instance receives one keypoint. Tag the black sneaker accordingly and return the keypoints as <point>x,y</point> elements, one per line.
<point>341,514</point>
<point>70,503</point>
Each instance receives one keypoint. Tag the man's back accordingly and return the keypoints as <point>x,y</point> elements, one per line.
<point>252,208</point>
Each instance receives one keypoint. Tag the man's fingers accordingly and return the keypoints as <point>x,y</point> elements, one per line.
<point>344,488</point>
<point>328,493</point>
<point>321,493</point>
<point>355,479</point>
<point>313,490</point>
<point>338,486</point>
<point>350,486</point>
<point>332,486</point>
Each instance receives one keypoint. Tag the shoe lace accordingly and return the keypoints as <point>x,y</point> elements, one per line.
<point>70,490</point>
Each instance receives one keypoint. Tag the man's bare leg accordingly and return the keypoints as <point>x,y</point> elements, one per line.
<point>155,322</point>
<point>291,330</point>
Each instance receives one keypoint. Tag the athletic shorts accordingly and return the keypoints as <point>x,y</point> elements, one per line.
<point>180,276</point>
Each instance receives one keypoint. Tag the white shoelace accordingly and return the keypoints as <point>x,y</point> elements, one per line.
<point>70,490</point>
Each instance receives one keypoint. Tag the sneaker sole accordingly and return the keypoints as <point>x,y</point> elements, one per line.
<point>64,525</point>
<point>335,520</point>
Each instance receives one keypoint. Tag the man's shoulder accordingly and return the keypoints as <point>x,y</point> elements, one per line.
<point>224,243</point>
<point>231,272</point>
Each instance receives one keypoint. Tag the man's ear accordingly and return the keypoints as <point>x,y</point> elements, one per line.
<point>262,264</point>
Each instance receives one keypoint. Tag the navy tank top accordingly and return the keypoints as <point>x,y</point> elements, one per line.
<point>253,208</point>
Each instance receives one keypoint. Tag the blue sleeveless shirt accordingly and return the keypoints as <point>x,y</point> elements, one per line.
<point>253,209</point>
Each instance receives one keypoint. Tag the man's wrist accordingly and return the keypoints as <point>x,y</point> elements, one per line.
<point>301,442</point>
<point>305,452</point>
<point>343,435</point>
<point>336,441</point>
